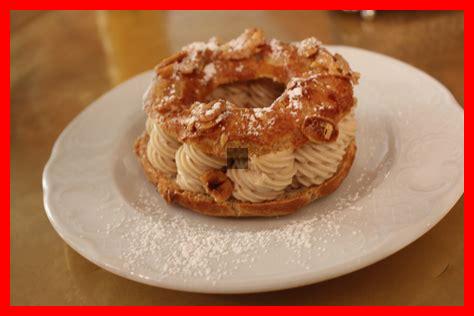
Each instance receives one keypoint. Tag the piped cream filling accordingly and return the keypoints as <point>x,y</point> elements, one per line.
<point>315,163</point>
<point>161,149</point>
<point>266,178</point>
<point>191,164</point>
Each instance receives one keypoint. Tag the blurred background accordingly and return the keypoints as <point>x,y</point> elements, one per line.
<point>61,61</point>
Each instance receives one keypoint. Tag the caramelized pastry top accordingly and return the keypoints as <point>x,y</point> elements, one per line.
<point>319,92</point>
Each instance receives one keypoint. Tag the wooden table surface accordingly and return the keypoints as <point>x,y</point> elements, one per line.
<point>62,61</point>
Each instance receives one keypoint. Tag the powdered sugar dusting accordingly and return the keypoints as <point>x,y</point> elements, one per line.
<point>277,48</point>
<point>259,112</point>
<point>237,43</point>
<point>209,72</point>
<point>188,247</point>
<point>195,52</point>
<point>257,122</point>
<point>215,107</point>
<point>211,45</point>
<point>295,95</point>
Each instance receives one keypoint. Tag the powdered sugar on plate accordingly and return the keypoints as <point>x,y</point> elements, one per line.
<point>176,245</point>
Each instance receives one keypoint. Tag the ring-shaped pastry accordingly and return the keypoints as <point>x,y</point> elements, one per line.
<point>311,123</point>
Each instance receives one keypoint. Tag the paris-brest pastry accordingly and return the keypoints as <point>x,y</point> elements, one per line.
<point>286,108</point>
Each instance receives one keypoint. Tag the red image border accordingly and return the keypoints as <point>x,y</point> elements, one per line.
<point>5,9</point>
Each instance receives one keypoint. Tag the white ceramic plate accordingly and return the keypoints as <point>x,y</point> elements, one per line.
<point>407,175</point>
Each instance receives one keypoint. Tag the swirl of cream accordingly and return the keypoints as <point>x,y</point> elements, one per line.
<point>315,163</point>
<point>265,179</point>
<point>191,164</point>
<point>161,149</point>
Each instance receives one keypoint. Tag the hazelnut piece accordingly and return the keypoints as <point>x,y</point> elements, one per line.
<point>217,185</point>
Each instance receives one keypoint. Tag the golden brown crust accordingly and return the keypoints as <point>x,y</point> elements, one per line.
<point>319,85</point>
<point>205,204</point>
